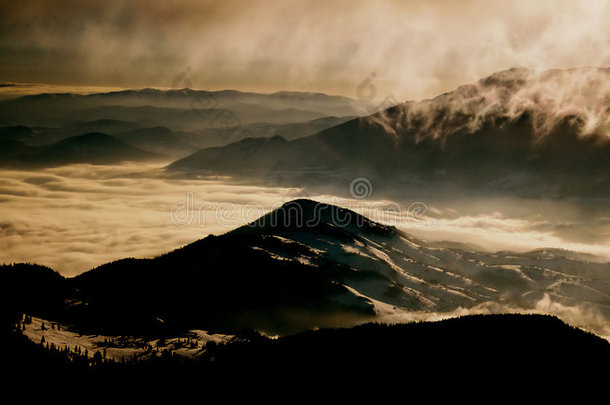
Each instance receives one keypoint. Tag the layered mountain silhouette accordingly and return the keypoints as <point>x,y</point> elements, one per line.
<point>514,130</point>
<point>40,135</point>
<point>94,148</point>
<point>305,265</point>
<point>161,140</point>
<point>178,109</point>
<point>158,140</point>
<point>169,123</point>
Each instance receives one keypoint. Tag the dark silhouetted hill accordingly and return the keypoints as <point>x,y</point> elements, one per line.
<point>93,148</point>
<point>524,352</point>
<point>158,140</point>
<point>310,265</point>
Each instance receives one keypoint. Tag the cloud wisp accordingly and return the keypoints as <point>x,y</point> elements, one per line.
<point>416,49</point>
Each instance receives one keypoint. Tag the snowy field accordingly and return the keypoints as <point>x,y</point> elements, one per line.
<point>191,344</point>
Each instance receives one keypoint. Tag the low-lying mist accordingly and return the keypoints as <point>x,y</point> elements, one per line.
<point>76,217</point>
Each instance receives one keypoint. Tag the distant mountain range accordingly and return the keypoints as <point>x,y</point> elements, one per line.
<point>303,266</point>
<point>189,109</point>
<point>515,131</point>
<point>170,124</point>
<point>94,148</point>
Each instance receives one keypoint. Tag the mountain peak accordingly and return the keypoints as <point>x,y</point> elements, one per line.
<point>98,137</point>
<point>305,215</point>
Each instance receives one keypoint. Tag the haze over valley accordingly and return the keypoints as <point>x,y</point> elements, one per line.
<point>199,188</point>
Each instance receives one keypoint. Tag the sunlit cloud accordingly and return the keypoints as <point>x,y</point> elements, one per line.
<point>416,49</point>
<point>73,218</point>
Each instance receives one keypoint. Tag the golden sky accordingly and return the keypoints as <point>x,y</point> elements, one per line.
<point>416,49</point>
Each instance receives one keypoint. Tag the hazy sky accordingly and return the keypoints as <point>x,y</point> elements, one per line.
<point>416,48</point>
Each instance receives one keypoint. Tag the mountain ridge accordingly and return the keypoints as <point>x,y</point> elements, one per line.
<point>91,148</point>
<point>309,267</point>
<point>508,132</point>
<point>59,108</point>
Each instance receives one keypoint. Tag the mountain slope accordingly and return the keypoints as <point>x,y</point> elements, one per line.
<point>490,349</point>
<point>158,140</point>
<point>487,349</point>
<point>310,264</point>
<point>460,349</point>
<point>537,133</point>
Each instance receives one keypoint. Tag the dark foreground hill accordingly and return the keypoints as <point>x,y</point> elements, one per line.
<point>303,267</point>
<point>306,265</point>
<point>505,350</point>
